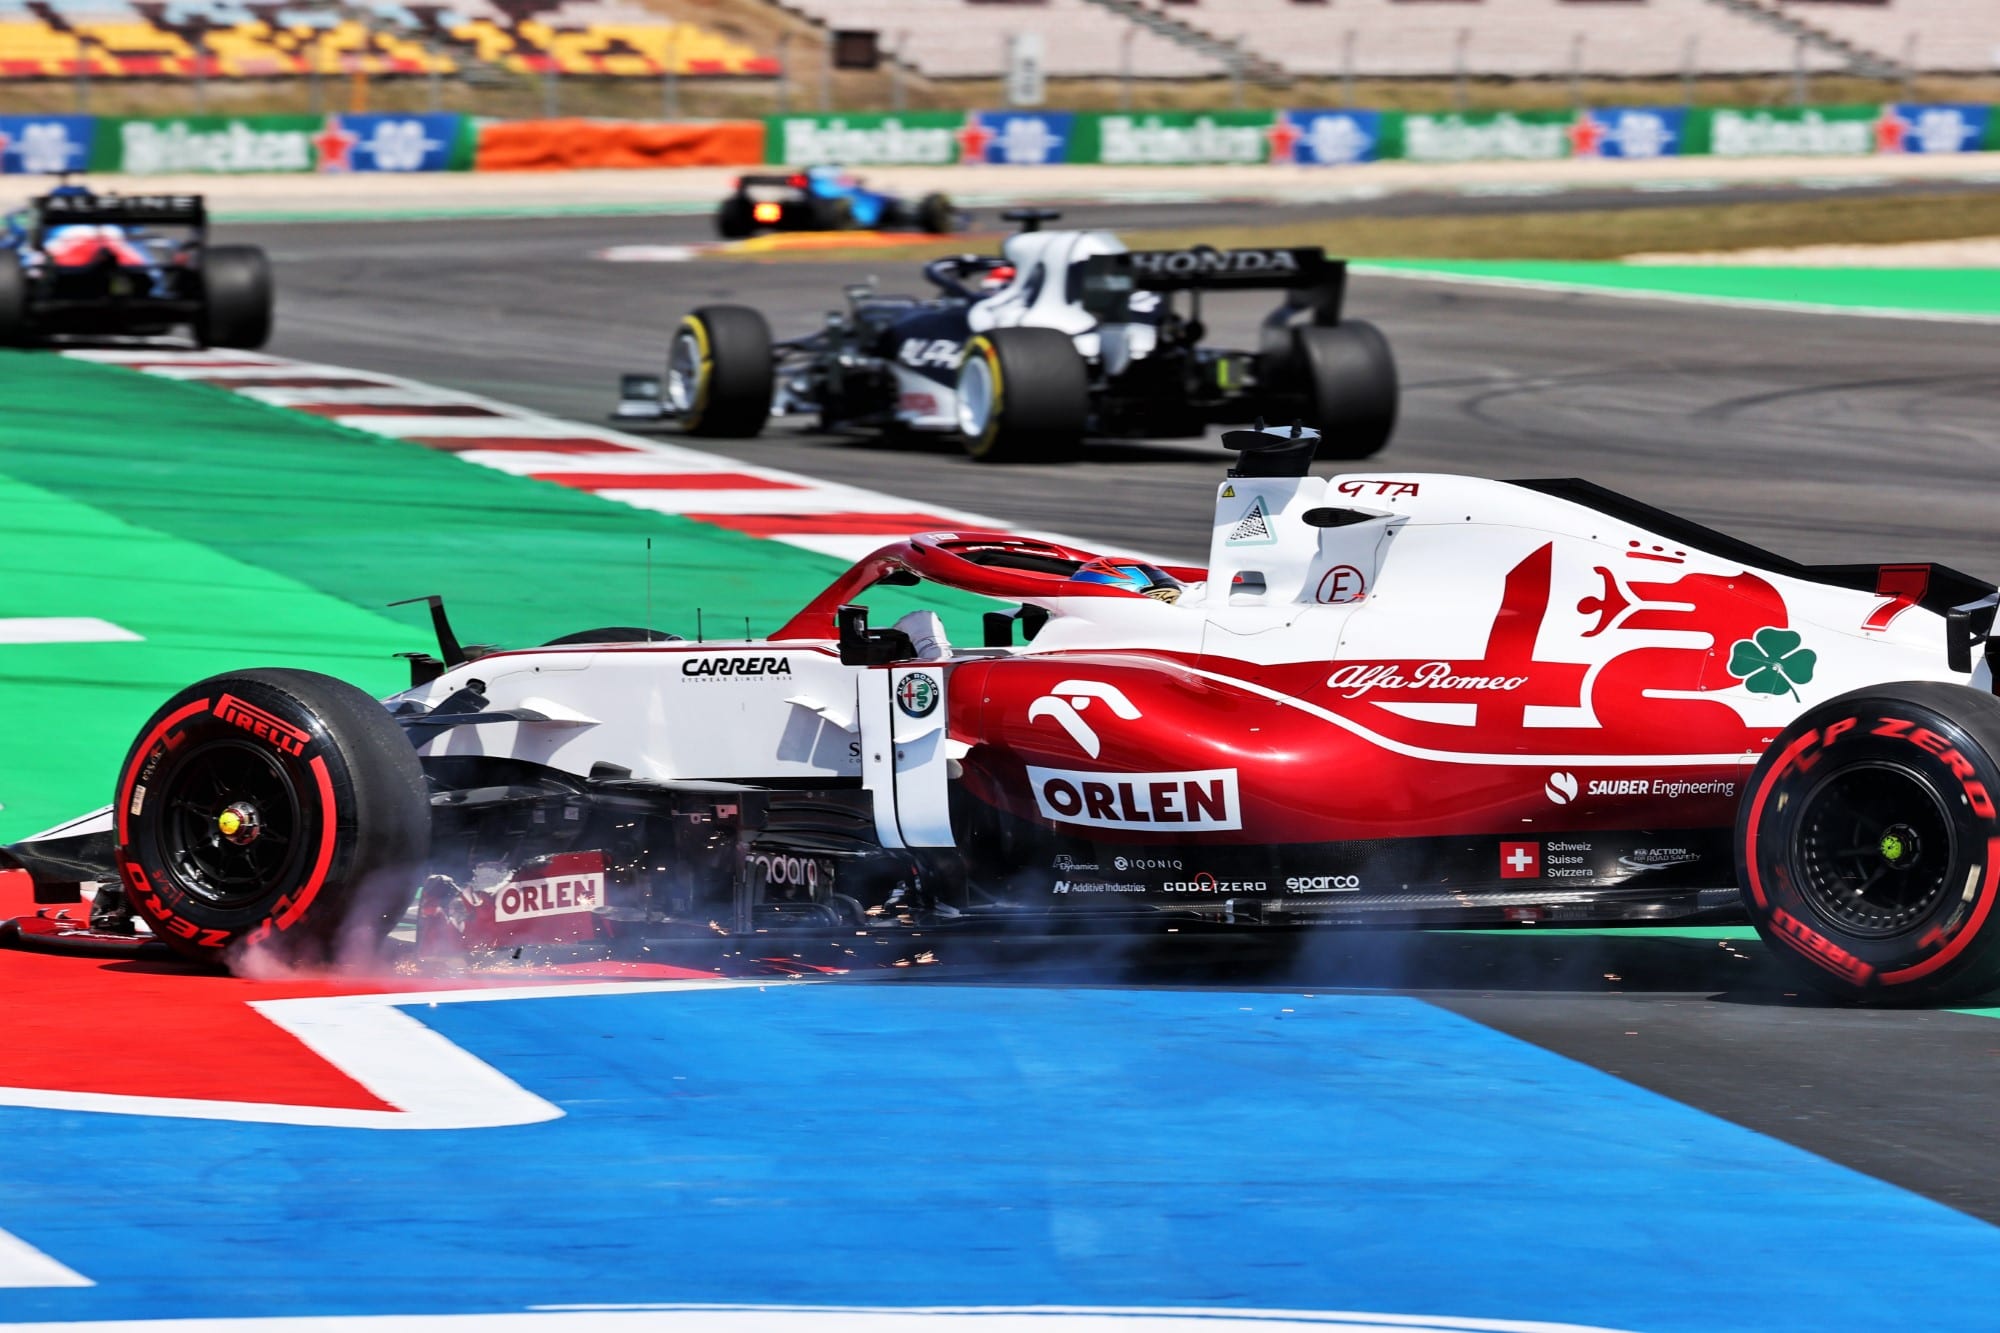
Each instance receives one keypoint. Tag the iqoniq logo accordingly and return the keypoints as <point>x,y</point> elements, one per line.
<point>1066,703</point>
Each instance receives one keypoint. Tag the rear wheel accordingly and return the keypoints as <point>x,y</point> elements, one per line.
<point>14,328</point>
<point>236,297</point>
<point>1868,846</point>
<point>936,215</point>
<point>833,214</point>
<point>719,372</point>
<point>1023,396</point>
<point>1350,383</point>
<point>736,219</point>
<point>275,812</point>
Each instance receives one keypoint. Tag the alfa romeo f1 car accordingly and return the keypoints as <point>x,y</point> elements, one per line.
<point>1387,699</point>
<point>825,199</point>
<point>96,265</point>
<point>1064,335</point>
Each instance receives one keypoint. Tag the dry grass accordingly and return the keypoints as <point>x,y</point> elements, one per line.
<point>1597,234</point>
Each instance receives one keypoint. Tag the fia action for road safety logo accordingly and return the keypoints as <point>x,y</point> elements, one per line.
<point>917,694</point>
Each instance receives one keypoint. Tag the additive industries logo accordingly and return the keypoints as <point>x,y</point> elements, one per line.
<point>1520,860</point>
<point>1809,132</point>
<point>1194,801</point>
<point>1560,788</point>
<point>1095,886</point>
<point>1497,136</point>
<point>1906,127</point>
<point>811,141</point>
<point>1627,132</point>
<point>1325,138</point>
<point>1025,139</point>
<point>1148,140</point>
<point>44,145</point>
<point>917,694</point>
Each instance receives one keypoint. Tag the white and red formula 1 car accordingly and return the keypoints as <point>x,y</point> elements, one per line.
<point>1388,699</point>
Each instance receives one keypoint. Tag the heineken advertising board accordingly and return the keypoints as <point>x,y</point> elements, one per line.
<point>1808,131</point>
<point>389,141</point>
<point>1174,138</point>
<point>899,139</point>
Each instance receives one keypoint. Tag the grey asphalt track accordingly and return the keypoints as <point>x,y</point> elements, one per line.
<point>1825,438</point>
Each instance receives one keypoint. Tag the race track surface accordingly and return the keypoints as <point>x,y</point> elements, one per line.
<point>1643,1129</point>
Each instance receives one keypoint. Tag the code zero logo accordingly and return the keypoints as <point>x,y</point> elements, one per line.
<point>257,722</point>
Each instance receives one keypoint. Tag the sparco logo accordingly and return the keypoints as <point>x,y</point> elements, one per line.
<point>728,668</point>
<point>1203,799</point>
<point>1204,262</point>
<point>260,723</point>
<point>549,897</point>
<point>1207,883</point>
<point>1323,883</point>
<point>798,871</point>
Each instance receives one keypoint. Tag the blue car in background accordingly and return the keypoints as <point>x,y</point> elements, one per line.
<point>826,199</point>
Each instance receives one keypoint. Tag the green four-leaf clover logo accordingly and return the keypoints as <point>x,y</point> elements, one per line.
<point>1771,662</point>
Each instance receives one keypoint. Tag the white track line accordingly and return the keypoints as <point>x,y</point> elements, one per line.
<point>64,629</point>
<point>1676,298</point>
<point>22,1265</point>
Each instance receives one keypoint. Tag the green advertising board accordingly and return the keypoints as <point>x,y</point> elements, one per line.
<point>1807,131</point>
<point>900,139</point>
<point>1173,138</point>
<point>152,147</point>
<point>1476,136</point>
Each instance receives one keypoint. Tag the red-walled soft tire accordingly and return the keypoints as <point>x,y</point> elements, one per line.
<point>273,810</point>
<point>1868,845</point>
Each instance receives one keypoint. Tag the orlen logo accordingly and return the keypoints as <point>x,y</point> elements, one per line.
<point>555,896</point>
<point>1560,788</point>
<point>260,723</point>
<point>1203,799</point>
<point>1065,705</point>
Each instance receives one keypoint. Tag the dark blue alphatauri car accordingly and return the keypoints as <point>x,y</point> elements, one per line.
<point>825,199</point>
<point>80,264</point>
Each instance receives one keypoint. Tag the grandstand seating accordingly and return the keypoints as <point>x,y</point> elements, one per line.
<point>1400,38</point>
<point>255,39</point>
<point>952,39</point>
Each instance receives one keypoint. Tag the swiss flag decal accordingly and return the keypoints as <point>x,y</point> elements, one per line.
<point>1520,860</point>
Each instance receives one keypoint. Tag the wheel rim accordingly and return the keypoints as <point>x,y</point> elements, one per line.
<point>684,370</point>
<point>1876,849</point>
<point>230,822</point>
<point>975,397</point>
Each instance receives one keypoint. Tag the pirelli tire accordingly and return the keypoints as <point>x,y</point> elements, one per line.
<point>1868,845</point>
<point>1023,396</point>
<point>736,218</point>
<point>237,297</point>
<point>271,815</point>
<point>1351,386</point>
<point>936,215</point>
<point>719,372</point>
<point>15,325</point>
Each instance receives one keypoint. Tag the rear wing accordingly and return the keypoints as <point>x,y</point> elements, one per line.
<point>64,210</point>
<point>1309,279</point>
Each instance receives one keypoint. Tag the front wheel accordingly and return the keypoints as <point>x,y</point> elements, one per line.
<point>278,814</point>
<point>1023,395</point>
<point>1351,385</point>
<point>236,297</point>
<point>719,372</point>
<point>936,215</point>
<point>1868,845</point>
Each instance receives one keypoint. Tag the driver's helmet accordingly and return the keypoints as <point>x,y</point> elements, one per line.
<point>69,190</point>
<point>1133,576</point>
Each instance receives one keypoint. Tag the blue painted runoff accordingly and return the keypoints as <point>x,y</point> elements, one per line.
<point>857,1144</point>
